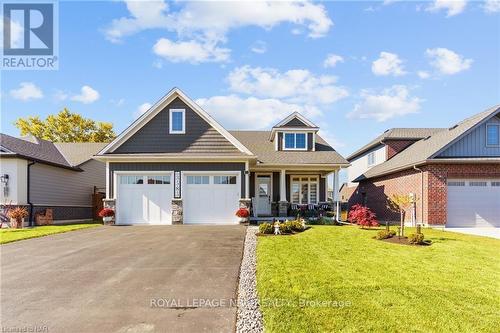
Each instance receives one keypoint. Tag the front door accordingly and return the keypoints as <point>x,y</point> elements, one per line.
<point>263,195</point>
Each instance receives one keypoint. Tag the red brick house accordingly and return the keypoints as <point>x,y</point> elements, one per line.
<point>453,173</point>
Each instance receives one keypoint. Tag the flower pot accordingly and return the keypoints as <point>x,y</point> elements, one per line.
<point>243,219</point>
<point>107,219</point>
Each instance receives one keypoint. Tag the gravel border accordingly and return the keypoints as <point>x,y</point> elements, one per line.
<point>249,317</point>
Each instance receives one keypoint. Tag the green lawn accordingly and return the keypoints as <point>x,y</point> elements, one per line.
<point>12,235</point>
<point>451,286</point>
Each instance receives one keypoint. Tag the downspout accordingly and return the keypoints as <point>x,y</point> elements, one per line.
<point>28,194</point>
<point>421,192</point>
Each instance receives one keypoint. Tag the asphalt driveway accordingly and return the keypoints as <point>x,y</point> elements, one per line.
<point>123,279</point>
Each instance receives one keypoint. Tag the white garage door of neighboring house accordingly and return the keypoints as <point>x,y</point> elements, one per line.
<point>144,199</point>
<point>473,203</point>
<point>211,198</point>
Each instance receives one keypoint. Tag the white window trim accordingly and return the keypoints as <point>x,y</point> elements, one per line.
<point>308,188</point>
<point>170,130</point>
<point>492,145</point>
<point>295,133</point>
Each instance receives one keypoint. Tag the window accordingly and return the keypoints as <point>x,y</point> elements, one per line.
<point>198,180</point>
<point>295,141</point>
<point>456,183</point>
<point>131,180</point>
<point>159,180</point>
<point>304,190</point>
<point>478,184</point>
<point>224,179</point>
<point>371,158</point>
<point>177,121</point>
<point>493,135</point>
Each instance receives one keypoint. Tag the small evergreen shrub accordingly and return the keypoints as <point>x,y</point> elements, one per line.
<point>285,227</point>
<point>265,228</point>
<point>296,225</point>
<point>416,239</point>
<point>384,234</point>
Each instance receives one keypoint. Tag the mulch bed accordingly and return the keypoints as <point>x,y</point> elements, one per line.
<point>402,241</point>
<point>287,234</point>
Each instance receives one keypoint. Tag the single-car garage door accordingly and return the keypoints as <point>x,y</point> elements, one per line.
<point>211,198</point>
<point>473,203</point>
<point>144,199</point>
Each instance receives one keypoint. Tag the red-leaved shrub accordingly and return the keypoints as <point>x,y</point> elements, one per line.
<point>106,212</point>
<point>243,213</point>
<point>362,216</point>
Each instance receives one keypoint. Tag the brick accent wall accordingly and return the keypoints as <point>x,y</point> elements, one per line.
<point>375,192</point>
<point>394,147</point>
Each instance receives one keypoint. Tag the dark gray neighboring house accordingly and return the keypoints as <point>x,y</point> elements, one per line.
<point>176,164</point>
<point>41,174</point>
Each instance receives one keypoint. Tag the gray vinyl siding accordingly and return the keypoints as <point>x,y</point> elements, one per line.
<point>322,185</point>
<point>474,144</point>
<point>252,184</point>
<point>280,140</point>
<point>50,185</point>
<point>295,123</point>
<point>145,167</point>
<point>276,186</point>
<point>310,141</point>
<point>200,137</point>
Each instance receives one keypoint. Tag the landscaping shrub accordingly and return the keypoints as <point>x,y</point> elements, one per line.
<point>285,227</point>
<point>384,234</point>
<point>106,212</point>
<point>362,216</point>
<point>265,228</point>
<point>416,239</point>
<point>296,225</point>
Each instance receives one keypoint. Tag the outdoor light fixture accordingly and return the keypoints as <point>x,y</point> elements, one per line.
<point>4,179</point>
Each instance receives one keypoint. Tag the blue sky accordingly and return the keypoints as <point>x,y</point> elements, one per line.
<point>392,64</point>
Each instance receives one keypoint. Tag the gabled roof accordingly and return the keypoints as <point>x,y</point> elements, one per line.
<point>66,155</point>
<point>298,116</point>
<point>395,134</point>
<point>427,149</point>
<point>258,142</point>
<point>159,106</point>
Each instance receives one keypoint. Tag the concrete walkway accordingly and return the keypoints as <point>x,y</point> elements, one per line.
<point>123,279</point>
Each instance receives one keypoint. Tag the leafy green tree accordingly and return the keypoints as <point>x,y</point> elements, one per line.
<point>66,126</point>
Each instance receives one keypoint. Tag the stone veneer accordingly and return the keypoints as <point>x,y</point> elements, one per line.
<point>177,212</point>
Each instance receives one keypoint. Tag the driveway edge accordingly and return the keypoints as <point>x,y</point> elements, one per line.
<point>249,317</point>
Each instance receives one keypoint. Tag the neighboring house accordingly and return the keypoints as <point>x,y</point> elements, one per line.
<point>40,174</point>
<point>453,173</point>
<point>176,164</point>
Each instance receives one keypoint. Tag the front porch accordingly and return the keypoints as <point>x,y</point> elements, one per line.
<point>283,193</point>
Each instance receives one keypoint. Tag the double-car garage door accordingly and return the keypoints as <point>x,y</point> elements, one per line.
<point>206,198</point>
<point>473,203</point>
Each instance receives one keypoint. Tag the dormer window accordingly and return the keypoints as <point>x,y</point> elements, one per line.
<point>295,141</point>
<point>177,121</point>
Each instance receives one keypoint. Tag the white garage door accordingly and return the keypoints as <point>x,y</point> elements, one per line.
<point>473,203</point>
<point>209,198</point>
<point>144,199</point>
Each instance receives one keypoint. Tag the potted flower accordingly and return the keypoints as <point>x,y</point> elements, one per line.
<point>107,214</point>
<point>243,214</point>
<point>17,216</point>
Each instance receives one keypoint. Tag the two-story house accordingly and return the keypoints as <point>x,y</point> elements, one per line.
<point>176,164</point>
<point>453,174</point>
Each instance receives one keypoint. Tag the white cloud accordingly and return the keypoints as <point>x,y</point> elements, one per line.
<point>388,64</point>
<point>332,60</point>
<point>26,91</point>
<point>447,62</point>
<point>252,112</point>
<point>87,95</point>
<point>117,102</point>
<point>423,74</point>
<point>207,23</point>
<point>392,102</point>
<point>60,95</point>
<point>190,51</point>
<point>452,7</point>
<point>16,32</point>
<point>259,47</point>
<point>295,86</point>
<point>492,6</point>
<point>389,2</point>
<point>142,108</point>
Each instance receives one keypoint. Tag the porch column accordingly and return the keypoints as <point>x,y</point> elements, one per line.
<point>336,197</point>
<point>283,185</point>
<point>247,180</point>
<point>283,204</point>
